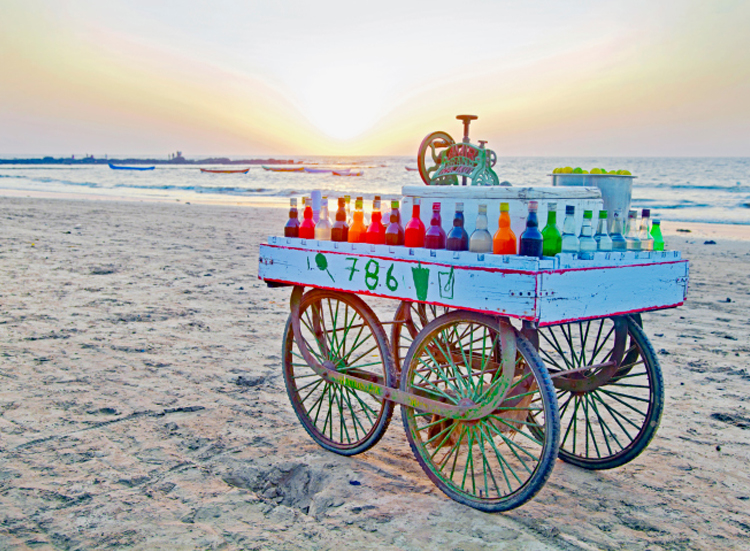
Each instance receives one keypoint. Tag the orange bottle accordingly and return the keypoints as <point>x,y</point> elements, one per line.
<point>504,241</point>
<point>358,230</point>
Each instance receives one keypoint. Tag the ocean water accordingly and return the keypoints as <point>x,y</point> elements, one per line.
<point>715,190</point>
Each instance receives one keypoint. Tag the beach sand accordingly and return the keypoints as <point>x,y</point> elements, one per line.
<point>142,405</point>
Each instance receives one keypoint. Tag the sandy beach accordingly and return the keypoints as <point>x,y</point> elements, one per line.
<point>142,404</point>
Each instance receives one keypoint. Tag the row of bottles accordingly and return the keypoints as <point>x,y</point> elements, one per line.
<point>351,227</point>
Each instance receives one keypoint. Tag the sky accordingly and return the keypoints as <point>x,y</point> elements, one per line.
<point>240,77</point>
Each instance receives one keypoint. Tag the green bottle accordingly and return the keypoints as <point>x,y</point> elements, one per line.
<point>656,234</point>
<point>551,233</point>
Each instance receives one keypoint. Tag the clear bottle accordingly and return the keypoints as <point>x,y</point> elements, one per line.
<point>504,240</point>
<point>292,226</point>
<point>376,230</point>
<point>644,234</point>
<point>631,232</point>
<point>532,242</point>
<point>551,233</point>
<point>435,236</point>
<point>394,233</point>
<point>603,241</point>
<point>570,243</point>
<point>481,239</point>
<point>586,242</point>
<point>457,239</point>
<point>340,229</point>
<point>307,227</point>
<point>415,230</point>
<point>357,229</point>
<point>619,243</point>
<point>656,234</point>
<point>323,225</point>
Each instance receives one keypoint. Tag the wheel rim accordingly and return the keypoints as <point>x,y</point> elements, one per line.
<point>495,463</point>
<point>608,414</point>
<point>428,158</point>
<point>409,320</point>
<point>339,329</point>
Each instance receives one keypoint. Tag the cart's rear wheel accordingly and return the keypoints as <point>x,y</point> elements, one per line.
<point>409,320</point>
<point>609,387</point>
<point>339,328</point>
<point>502,460</point>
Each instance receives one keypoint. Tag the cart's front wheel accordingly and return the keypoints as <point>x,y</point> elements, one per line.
<point>500,461</point>
<point>342,329</point>
<point>609,387</point>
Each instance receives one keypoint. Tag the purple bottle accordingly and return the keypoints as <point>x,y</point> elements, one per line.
<point>435,236</point>
<point>458,239</point>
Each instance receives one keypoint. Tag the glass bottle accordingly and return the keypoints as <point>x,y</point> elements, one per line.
<point>551,233</point>
<point>644,234</point>
<point>394,233</point>
<point>481,239</point>
<point>656,234</point>
<point>631,233</point>
<point>307,227</point>
<point>415,230</point>
<point>603,241</point>
<point>340,229</point>
<point>532,242</point>
<point>570,243</point>
<point>292,226</point>
<point>458,239</point>
<point>376,231</point>
<point>435,236</point>
<point>348,201</point>
<point>323,225</point>
<point>357,230</point>
<point>504,240</point>
<point>586,242</point>
<point>618,240</point>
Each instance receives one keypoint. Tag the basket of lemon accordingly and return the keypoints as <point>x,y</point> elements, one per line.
<point>616,186</point>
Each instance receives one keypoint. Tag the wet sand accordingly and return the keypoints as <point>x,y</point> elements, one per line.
<point>142,405</point>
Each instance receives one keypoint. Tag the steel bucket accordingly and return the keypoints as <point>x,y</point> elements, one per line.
<point>616,190</point>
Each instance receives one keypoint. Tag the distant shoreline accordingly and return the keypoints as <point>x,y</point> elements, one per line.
<point>175,161</point>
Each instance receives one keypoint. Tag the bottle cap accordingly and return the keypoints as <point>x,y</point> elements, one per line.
<point>482,209</point>
<point>377,197</point>
<point>436,207</point>
<point>307,201</point>
<point>504,207</point>
<point>646,213</point>
<point>358,203</point>
<point>533,206</point>
<point>394,204</point>
<point>570,209</point>
<point>347,198</point>
<point>633,214</point>
<point>417,201</point>
<point>588,214</point>
<point>342,202</point>
<point>656,222</point>
<point>459,207</point>
<point>551,206</point>
<point>602,214</point>
<point>376,203</point>
<point>293,201</point>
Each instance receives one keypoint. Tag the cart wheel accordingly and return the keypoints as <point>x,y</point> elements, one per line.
<point>340,328</point>
<point>409,320</point>
<point>428,158</point>
<point>609,387</point>
<point>495,463</point>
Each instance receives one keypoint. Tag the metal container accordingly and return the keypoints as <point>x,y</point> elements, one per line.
<point>616,190</point>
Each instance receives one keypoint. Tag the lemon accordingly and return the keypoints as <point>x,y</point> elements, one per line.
<point>603,170</point>
<point>567,170</point>
<point>596,171</point>
<point>625,173</point>
<point>578,170</point>
<point>556,171</point>
<point>584,171</point>
<point>612,172</point>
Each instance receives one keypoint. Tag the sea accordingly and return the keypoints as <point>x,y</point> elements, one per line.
<point>687,189</point>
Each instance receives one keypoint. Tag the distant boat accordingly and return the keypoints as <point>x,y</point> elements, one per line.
<point>411,169</point>
<point>346,172</point>
<point>243,171</point>
<point>318,170</point>
<point>115,167</point>
<point>284,168</point>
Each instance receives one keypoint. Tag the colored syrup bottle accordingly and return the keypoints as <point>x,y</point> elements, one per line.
<point>340,229</point>
<point>323,225</point>
<point>435,236</point>
<point>603,241</point>
<point>551,233</point>
<point>292,226</point>
<point>504,241</point>
<point>307,227</point>
<point>532,242</point>
<point>394,233</point>
<point>458,239</point>
<point>481,239</point>
<point>647,242</point>
<point>358,230</point>
<point>618,240</point>
<point>348,201</point>
<point>631,233</point>
<point>415,230</point>
<point>570,243</point>
<point>376,231</point>
<point>656,234</point>
<point>586,240</point>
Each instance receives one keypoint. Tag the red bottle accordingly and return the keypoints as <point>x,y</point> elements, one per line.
<point>307,227</point>
<point>376,231</point>
<point>292,226</point>
<point>394,233</point>
<point>415,230</point>
<point>340,229</point>
<point>435,236</point>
